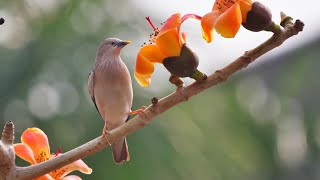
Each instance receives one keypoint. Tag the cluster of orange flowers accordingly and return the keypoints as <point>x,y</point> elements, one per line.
<point>225,18</point>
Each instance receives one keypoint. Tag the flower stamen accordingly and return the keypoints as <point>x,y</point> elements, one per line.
<point>223,5</point>
<point>42,157</point>
<point>153,35</point>
<point>151,24</point>
<point>58,151</point>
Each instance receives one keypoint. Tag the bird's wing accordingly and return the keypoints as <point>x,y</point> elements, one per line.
<point>91,88</point>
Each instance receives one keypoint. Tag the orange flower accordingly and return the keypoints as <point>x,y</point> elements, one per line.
<point>165,42</point>
<point>226,17</point>
<point>35,149</point>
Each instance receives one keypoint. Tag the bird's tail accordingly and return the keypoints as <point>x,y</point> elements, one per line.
<point>120,151</point>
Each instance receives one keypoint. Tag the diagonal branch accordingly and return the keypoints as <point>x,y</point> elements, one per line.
<point>160,106</point>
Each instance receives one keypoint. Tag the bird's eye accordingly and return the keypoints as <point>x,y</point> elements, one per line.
<point>112,43</point>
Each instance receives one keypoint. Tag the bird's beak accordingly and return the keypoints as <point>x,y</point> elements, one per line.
<point>122,43</point>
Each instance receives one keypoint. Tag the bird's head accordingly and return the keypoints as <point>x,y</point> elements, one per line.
<point>111,46</point>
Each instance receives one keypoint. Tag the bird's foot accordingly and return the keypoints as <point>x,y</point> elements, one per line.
<point>139,111</point>
<point>105,133</point>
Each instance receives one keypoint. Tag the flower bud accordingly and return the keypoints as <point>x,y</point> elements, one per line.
<point>259,18</point>
<point>184,65</point>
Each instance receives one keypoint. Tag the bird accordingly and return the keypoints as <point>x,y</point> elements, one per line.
<point>110,88</point>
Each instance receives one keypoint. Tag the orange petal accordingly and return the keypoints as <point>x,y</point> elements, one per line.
<point>248,1</point>
<point>143,70</point>
<point>72,177</point>
<point>168,39</point>
<point>187,16</point>
<point>169,43</point>
<point>245,7</point>
<point>24,152</point>
<point>183,37</point>
<point>223,5</point>
<point>142,79</point>
<point>207,23</point>
<point>45,177</point>
<point>78,165</point>
<point>173,22</point>
<point>229,22</point>
<point>152,53</point>
<point>37,140</point>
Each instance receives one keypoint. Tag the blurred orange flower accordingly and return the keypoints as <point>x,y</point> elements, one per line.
<point>226,17</point>
<point>165,42</point>
<point>35,149</point>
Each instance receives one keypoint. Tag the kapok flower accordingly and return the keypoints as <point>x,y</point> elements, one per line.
<point>226,17</point>
<point>166,42</point>
<point>35,149</point>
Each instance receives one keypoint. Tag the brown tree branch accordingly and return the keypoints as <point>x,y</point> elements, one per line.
<point>158,107</point>
<point>7,156</point>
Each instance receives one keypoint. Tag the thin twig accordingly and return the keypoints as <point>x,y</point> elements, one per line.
<point>155,109</point>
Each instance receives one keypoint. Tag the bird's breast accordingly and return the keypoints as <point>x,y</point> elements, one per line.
<point>113,91</point>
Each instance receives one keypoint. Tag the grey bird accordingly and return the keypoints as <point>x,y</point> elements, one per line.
<point>110,88</point>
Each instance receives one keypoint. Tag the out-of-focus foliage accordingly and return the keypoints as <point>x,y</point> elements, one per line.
<point>261,124</point>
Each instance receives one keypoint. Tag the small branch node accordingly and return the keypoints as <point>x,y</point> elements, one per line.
<point>298,26</point>
<point>205,77</point>
<point>154,101</point>
<point>221,75</point>
<point>246,59</point>
<point>182,93</point>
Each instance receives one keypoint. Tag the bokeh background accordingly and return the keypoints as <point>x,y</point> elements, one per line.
<point>263,123</point>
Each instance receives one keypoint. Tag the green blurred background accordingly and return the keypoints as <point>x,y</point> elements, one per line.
<point>263,123</point>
